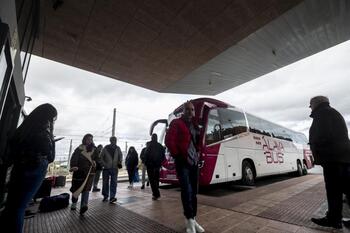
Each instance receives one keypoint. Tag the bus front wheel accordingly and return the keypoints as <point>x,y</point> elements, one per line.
<point>248,177</point>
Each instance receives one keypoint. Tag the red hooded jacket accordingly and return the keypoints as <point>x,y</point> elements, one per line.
<point>178,138</point>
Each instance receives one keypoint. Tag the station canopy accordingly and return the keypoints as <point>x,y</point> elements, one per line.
<point>188,46</point>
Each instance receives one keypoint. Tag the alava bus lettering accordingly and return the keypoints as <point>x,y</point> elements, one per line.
<point>273,150</point>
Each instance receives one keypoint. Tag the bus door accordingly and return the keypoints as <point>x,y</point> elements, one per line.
<point>233,125</point>
<point>214,169</point>
<point>159,127</point>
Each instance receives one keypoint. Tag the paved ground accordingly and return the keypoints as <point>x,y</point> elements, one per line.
<point>277,204</point>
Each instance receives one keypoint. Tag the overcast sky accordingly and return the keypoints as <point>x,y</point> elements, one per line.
<point>85,100</point>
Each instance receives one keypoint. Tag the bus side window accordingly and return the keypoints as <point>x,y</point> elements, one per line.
<point>213,133</point>
<point>255,124</point>
<point>232,122</point>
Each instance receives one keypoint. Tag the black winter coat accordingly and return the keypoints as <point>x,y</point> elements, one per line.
<point>39,145</point>
<point>328,136</point>
<point>154,155</point>
<point>142,155</point>
<point>80,160</point>
<point>131,160</point>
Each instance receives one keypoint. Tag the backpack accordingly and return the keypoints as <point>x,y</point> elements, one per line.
<point>53,203</point>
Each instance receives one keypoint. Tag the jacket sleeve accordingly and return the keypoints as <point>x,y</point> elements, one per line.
<point>171,138</point>
<point>45,144</point>
<point>146,154</point>
<point>142,155</point>
<point>75,158</point>
<point>103,157</point>
<point>127,160</point>
<point>162,154</point>
<point>120,155</point>
<point>136,160</point>
<point>95,156</point>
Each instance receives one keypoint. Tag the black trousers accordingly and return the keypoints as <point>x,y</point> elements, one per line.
<point>153,177</point>
<point>131,174</point>
<point>188,178</point>
<point>336,177</point>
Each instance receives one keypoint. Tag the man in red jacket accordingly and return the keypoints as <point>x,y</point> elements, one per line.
<point>182,141</point>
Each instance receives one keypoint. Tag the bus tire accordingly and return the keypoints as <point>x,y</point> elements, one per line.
<point>299,171</point>
<point>248,177</point>
<point>304,169</point>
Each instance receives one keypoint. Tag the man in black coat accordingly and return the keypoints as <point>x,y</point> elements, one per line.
<point>154,156</point>
<point>329,142</point>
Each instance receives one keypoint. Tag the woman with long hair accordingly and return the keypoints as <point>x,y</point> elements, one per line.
<point>32,148</point>
<point>83,166</point>
<point>131,162</point>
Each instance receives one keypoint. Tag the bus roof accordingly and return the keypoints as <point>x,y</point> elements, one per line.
<point>200,101</point>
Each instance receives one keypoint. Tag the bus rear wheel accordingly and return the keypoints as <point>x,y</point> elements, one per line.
<point>299,171</point>
<point>305,169</point>
<point>248,177</point>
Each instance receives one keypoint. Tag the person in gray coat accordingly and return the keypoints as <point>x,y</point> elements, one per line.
<point>111,158</point>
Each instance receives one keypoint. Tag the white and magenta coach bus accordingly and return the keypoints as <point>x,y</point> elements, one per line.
<point>236,145</point>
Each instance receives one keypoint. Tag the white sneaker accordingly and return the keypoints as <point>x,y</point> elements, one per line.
<point>199,228</point>
<point>190,226</point>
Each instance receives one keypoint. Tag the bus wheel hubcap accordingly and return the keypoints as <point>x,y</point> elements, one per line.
<point>249,173</point>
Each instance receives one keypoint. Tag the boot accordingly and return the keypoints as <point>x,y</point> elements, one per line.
<point>326,222</point>
<point>73,206</point>
<point>199,228</point>
<point>83,209</point>
<point>190,226</point>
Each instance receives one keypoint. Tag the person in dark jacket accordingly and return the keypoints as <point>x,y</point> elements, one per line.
<point>154,156</point>
<point>182,140</point>
<point>144,168</point>
<point>32,148</point>
<point>83,166</point>
<point>330,147</point>
<point>99,168</point>
<point>131,163</point>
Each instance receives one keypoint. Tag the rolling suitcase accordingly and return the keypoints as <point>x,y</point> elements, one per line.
<point>44,190</point>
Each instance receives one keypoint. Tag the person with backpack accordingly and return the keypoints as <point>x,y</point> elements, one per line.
<point>182,140</point>
<point>154,156</point>
<point>144,168</point>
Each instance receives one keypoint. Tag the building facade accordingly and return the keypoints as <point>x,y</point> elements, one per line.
<point>19,21</point>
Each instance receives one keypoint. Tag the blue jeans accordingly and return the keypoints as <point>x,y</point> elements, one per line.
<point>109,184</point>
<point>137,176</point>
<point>188,178</point>
<point>24,183</point>
<point>84,199</point>
<point>97,178</point>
